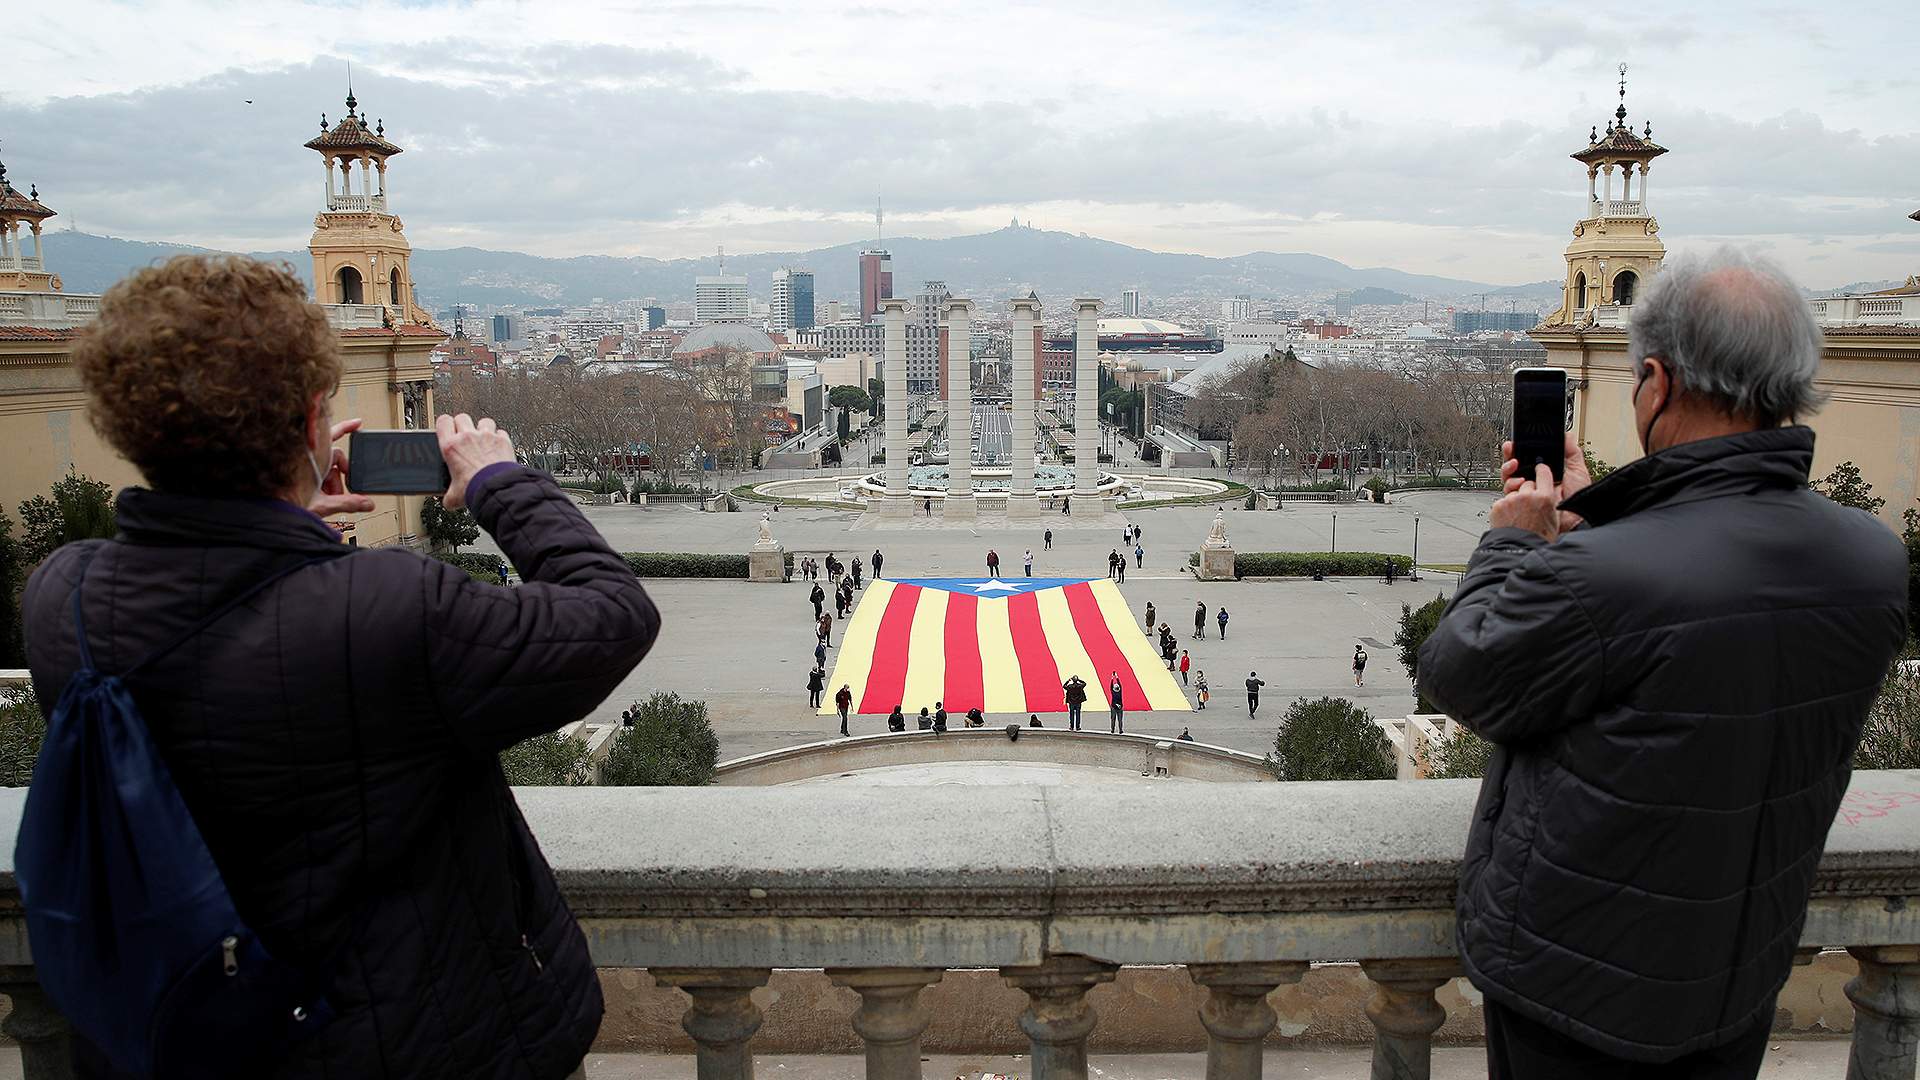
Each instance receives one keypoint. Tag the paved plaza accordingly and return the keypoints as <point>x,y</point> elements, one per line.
<point>746,648</point>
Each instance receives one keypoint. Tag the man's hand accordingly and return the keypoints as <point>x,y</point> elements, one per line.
<point>469,446</point>
<point>1533,505</point>
<point>333,496</point>
<point>1573,471</point>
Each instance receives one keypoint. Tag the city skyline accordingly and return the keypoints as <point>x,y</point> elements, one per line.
<point>1445,153</point>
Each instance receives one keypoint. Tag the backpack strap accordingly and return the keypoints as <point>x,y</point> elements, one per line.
<point>212,617</point>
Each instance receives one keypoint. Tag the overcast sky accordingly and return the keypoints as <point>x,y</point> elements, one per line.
<point>1429,137</point>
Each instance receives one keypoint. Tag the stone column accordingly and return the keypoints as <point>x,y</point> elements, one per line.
<point>1405,1015</point>
<point>1020,497</point>
<point>1886,1012</point>
<point>1058,1018</point>
<point>39,260</point>
<point>45,1037</point>
<point>890,1019</point>
<point>1236,1014</point>
<point>328,162</point>
<point>366,179</point>
<point>1086,401</point>
<point>899,500</point>
<point>960,504</point>
<point>722,1017</point>
<point>1643,188</point>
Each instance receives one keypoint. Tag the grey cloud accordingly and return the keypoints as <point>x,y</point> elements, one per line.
<point>628,144</point>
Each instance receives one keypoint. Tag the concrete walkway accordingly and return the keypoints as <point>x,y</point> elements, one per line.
<point>1786,1060</point>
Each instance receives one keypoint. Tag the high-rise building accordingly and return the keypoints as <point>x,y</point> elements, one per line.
<point>923,338</point>
<point>876,281</point>
<point>1130,304</point>
<point>792,299</point>
<point>719,298</point>
<point>1468,322</point>
<point>1239,307</point>
<point>507,328</point>
<point>656,316</point>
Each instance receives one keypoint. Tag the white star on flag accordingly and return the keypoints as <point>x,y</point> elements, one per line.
<point>996,585</point>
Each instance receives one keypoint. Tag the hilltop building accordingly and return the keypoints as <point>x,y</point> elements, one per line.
<point>359,249</point>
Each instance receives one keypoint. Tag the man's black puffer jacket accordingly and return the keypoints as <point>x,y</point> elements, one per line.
<point>336,738</point>
<point>1675,691</point>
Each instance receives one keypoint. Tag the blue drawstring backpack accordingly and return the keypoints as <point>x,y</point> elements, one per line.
<point>134,934</point>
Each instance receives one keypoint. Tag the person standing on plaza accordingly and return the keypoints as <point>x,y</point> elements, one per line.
<point>1199,619</point>
<point>1066,505</point>
<point>820,653</point>
<point>1029,563</point>
<point>1113,562</point>
<point>1116,707</point>
<point>1150,619</point>
<point>1221,618</point>
<point>1139,556</point>
<point>843,701</point>
<point>1169,645</point>
<point>1185,661</point>
<point>1121,568</point>
<point>816,683</point>
<point>825,626</point>
<point>856,571</point>
<point>876,564</point>
<point>1359,666</point>
<point>1076,694</point>
<point>1674,666</point>
<point>1049,540</point>
<point>833,570</point>
<point>1201,689</point>
<point>819,598</point>
<point>993,563</point>
<point>502,568</point>
<point>1126,535</point>
<point>1254,683</point>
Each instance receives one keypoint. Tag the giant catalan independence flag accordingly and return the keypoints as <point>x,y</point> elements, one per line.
<point>999,646</point>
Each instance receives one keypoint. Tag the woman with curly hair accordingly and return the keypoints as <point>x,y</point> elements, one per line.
<point>336,735</point>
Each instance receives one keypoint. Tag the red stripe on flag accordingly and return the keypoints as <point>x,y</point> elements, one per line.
<point>1097,638</point>
<point>887,679</point>
<point>1039,676</point>
<point>963,680</point>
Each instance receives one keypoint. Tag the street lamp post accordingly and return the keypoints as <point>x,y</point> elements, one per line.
<point>1333,545</point>
<point>1413,572</point>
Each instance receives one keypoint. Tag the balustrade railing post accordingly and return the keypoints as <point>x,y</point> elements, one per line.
<point>1886,1012</point>
<point>45,1037</point>
<point>1405,1014</point>
<point>889,1019</point>
<point>1058,1018</point>
<point>722,1017</point>
<point>1236,1014</point>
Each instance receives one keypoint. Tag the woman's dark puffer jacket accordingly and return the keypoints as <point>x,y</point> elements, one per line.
<point>336,738</point>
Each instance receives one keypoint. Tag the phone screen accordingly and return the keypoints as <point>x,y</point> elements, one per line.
<point>396,463</point>
<point>1539,420</point>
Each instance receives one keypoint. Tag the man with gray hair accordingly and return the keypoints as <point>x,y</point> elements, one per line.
<point>1674,665</point>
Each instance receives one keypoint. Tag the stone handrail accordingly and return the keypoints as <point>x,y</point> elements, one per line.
<point>1058,887</point>
<point>1146,755</point>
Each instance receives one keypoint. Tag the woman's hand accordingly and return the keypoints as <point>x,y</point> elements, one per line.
<point>468,447</point>
<point>333,496</point>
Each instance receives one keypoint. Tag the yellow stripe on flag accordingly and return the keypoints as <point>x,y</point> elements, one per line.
<point>1162,687</point>
<point>1069,656</point>
<point>926,654</point>
<point>999,664</point>
<point>854,658</point>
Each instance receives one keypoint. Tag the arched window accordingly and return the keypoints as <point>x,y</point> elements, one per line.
<point>393,287</point>
<point>1580,291</point>
<point>349,281</point>
<point>1623,287</point>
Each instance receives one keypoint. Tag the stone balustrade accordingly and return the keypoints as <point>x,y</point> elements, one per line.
<point>1057,888</point>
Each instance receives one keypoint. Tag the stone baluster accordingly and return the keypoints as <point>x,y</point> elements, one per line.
<point>45,1038</point>
<point>1886,1012</point>
<point>1058,1018</point>
<point>722,1017</point>
<point>890,1019</point>
<point>1405,1014</point>
<point>1236,1014</point>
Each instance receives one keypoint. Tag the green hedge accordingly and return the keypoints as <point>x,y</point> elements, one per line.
<point>1442,483</point>
<point>1307,563</point>
<point>479,565</point>
<point>687,564</point>
<point>746,492</point>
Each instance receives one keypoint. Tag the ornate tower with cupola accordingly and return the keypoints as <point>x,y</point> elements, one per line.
<point>1616,244</point>
<point>360,250</point>
<point>21,270</point>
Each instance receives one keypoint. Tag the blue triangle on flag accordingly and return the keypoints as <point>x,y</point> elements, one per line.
<point>985,585</point>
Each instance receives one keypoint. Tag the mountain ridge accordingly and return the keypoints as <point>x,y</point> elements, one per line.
<point>1009,261</point>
